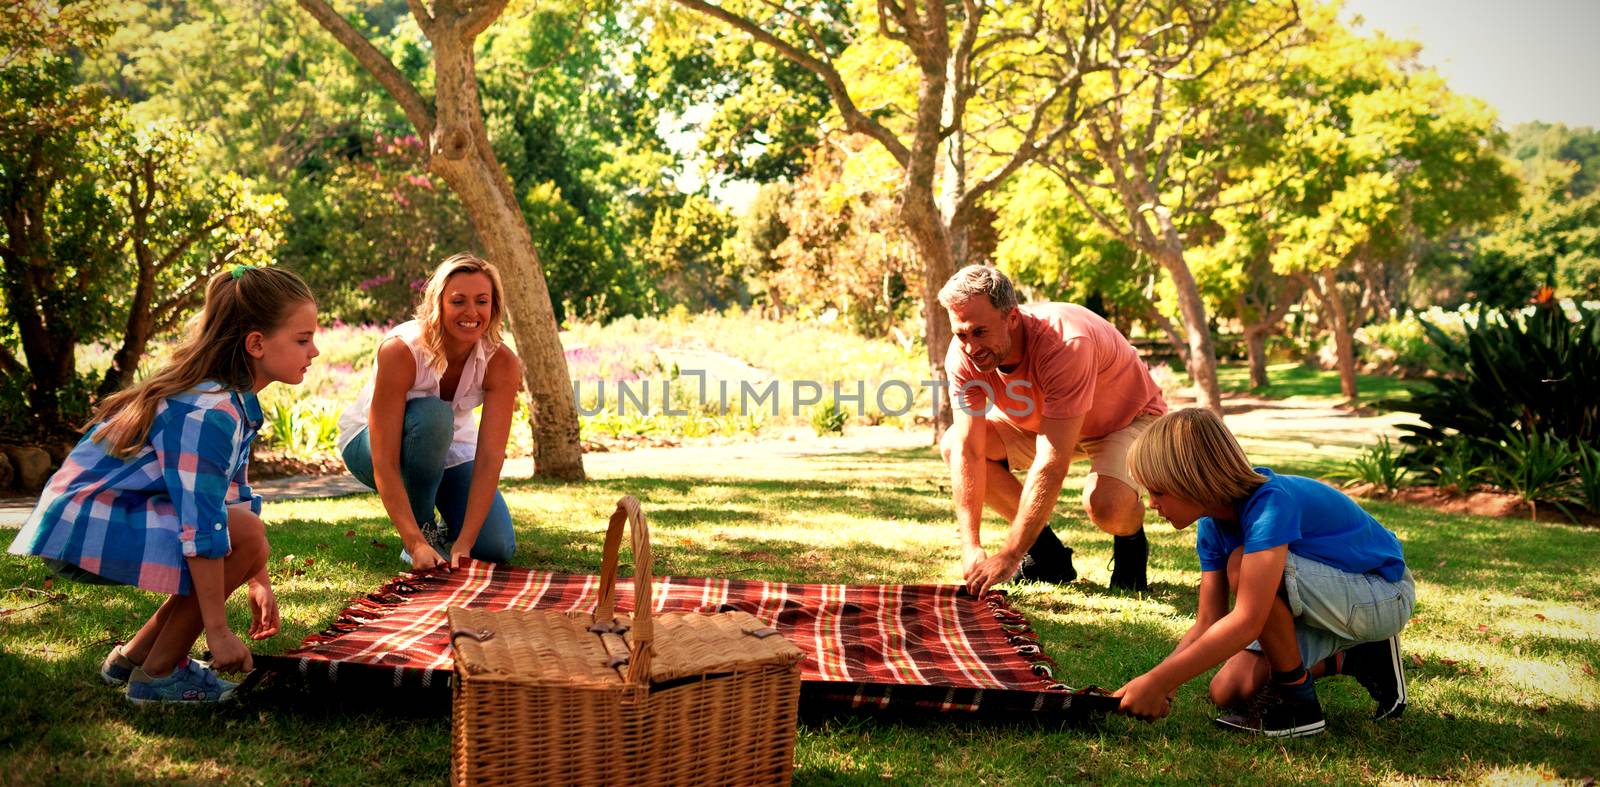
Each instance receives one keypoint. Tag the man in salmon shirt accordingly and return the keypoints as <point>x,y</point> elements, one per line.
<point>1034,386</point>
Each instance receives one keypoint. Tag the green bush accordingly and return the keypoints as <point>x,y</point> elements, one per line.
<point>1381,465</point>
<point>1538,468</point>
<point>1521,393</point>
<point>828,417</point>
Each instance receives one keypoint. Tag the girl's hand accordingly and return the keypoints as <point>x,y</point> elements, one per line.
<point>228,653</point>
<point>1142,699</point>
<point>264,619</point>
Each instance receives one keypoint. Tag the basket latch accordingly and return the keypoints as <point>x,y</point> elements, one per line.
<point>477,635</point>
<point>761,633</point>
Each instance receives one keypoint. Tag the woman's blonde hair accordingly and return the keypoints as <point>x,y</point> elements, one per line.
<point>1191,454</point>
<point>430,312</point>
<point>239,301</point>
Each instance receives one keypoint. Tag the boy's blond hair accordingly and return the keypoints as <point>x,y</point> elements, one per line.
<point>1191,454</point>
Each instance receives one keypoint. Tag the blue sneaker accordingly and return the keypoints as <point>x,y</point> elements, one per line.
<point>189,682</point>
<point>116,669</point>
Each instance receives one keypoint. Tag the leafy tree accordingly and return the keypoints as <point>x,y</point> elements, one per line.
<point>105,231</point>
<point>760,232</point>
<point>368,232</point>
<point>843,247</point>
<point>1554,241</point>
<point>178,230</point>
<point>1375,157</point>
<point>974,90</point>
<point>688,253</point>
<point>1539,145</point>
<point>1147,166</point>
<point>452,124</point>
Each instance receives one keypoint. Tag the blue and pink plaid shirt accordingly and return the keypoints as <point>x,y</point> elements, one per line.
<point>137,520</point>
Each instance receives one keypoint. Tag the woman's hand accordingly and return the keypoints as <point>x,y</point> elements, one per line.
<point>423,556</point>
<point>264,619</point>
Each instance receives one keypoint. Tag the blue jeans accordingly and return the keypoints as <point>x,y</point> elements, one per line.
<point>429,427</point>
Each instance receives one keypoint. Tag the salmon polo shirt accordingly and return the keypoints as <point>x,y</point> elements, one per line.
<point>1073,363</point>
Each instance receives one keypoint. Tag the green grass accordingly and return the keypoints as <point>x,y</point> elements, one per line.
<point>1507,624</point>
<point>1286,380</point>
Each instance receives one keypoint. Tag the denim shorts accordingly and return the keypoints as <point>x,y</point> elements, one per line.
<point>1335,609</point>
<point>65,570</point>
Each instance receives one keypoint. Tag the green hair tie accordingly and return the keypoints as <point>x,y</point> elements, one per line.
<point>238,270</point>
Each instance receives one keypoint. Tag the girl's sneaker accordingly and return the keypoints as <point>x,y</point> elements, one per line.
<point>116,669</point>
<point>189,682</point>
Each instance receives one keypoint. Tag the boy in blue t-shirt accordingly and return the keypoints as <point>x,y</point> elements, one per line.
<point>1315,580</point>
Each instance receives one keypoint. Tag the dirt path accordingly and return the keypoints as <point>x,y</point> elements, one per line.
<point>1287,424</point>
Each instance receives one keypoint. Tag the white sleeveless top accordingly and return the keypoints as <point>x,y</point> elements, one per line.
<point>469,394</point>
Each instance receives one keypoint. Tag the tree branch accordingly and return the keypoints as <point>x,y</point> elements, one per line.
<point>376,63</point>
<point>854,119</point>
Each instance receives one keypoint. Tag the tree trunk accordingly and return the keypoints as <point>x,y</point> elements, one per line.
<point>49,350</point>
<point>136,333</point>
<point>1255,341</point>
<point>1339,326</point>
<point>459,152</point>
<point>931,238</point>
<point>1201,356</point>
<point>462,156</point>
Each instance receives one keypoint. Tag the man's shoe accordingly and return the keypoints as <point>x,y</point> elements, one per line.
<point>1048,560</point>
<point>1381,671</point>
<point>1275,715</point>
<point>190,682</point>
<point>1130,556</point>
<point>116,669</point>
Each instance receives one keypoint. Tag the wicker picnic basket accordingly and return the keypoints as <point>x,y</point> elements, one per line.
<point>545,697</point>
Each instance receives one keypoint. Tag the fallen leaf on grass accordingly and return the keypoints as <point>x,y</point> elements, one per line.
<point>1542,710</point>
<point>376,544</point>
<point>1483,627</point>
<point>1415,659</point>
<point>49,582</point>
<point>1588,670</point>
<point>1440,564</point>
<point>1449,662</point>
<point>310,560</point>
<point>1538,616</point>
<point>1496,640</point>
<point>349,534</point>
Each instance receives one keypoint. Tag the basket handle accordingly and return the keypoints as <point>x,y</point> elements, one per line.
<point>628,511</point>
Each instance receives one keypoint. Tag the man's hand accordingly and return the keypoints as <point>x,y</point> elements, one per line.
<point>228,653</point>
<point>991,571</point>
<point>264,618</point>
<point>1143,699</point>
<point>459,554</point>
<point>971,556</point>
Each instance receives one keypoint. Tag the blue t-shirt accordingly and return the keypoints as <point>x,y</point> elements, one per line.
<point>1314,519</point>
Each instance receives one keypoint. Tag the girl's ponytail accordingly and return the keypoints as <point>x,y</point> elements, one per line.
<point>239,301</point>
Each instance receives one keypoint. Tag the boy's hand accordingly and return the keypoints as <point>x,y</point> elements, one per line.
<point>228,653</point>
<point>264,618</point>
<point>1142,699</point>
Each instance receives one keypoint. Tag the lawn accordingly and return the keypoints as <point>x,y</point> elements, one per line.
<point>1286,380</point>
<point>1503,686</point>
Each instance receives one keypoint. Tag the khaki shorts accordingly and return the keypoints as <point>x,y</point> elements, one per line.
<point>1108,455</point>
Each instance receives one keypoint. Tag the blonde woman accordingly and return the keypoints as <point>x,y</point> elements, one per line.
<point>410,433</point>
<point>1315,581</point>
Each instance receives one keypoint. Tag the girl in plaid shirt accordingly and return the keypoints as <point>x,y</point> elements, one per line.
<point>155,494</point>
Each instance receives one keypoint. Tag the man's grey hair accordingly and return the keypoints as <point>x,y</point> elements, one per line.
<point>975,280</point>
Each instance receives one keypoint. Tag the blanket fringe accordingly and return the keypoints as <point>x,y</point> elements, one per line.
<point>376,605</point>
<point>1023,639</point>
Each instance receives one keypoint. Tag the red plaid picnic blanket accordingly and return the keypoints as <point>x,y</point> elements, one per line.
<point>887,647</point>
